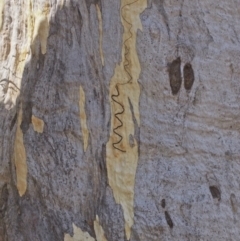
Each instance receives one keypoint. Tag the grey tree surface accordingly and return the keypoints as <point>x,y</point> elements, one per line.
<point>66,127</point>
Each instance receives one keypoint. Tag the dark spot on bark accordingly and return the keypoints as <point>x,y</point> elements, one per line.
<point>163,203</point>
<point>13,122</point>
<point>188,76</point>
<point>136,127</point>
<point>131,141</point>
<point>215,192</point>
<point>168,219</point>
<point>175,75</point>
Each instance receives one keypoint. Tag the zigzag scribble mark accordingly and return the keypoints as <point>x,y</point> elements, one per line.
<point>116,116</point>
<point>127,49</point>
<point>10,82</point>
<point>125,66</point>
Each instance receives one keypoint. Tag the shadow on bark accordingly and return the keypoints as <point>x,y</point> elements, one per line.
<point>65,185</point>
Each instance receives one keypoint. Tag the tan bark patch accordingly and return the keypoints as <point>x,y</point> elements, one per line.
<point>79,235</point>
<point>20,158</point>
<point>122,156</point>
<point>38,124</point>
<point>99,230</point>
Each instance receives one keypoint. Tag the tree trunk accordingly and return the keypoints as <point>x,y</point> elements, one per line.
<point>119,120</point>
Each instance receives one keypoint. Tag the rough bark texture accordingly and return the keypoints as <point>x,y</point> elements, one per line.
<point>119,120</point>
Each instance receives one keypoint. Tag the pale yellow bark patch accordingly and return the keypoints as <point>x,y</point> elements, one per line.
<point>20,158</point>
<point>38,124</point>
<point>79,235</point>
<point>100,24</point>
<point>41,28</point>
<point>122,155</point>
<point>29,18</point>
<point>1,12</point>
<point>99,232</point>
<point>15,74</point>
<point>37,28</point>
<point>83,118</point>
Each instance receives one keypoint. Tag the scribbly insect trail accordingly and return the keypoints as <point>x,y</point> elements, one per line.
<point>127,49</point>
<point>124,95</point>
<point>10,82</point>
<point>121,123</point>
<point>126,65</point>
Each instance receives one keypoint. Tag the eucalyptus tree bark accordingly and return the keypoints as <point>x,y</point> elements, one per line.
<point>119,120</point>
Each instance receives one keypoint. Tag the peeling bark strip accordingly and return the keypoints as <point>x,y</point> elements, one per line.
<point>100,33</point>
<point>83,118</point>
<point>188,76</point>
<point>234,203</point>
<point>122,157</point>
<point>175,75</point>
<point>20,158</point>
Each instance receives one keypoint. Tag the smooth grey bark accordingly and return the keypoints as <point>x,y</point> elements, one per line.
<point>187,180</point>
